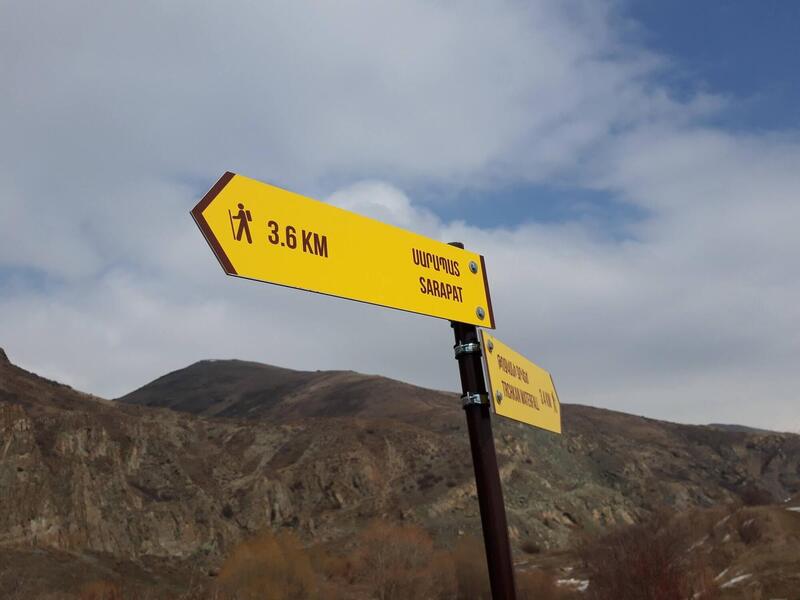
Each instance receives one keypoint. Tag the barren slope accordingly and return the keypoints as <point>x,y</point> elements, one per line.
<point>322,453</point>
<point>240,389</point>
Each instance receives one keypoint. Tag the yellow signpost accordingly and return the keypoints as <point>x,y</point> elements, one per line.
<point>262,232</point>
<point>519,389</point>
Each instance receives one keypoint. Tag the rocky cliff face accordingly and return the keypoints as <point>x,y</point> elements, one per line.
<point>607,468</point>
<point>81,474</point>
<point>87,475</point>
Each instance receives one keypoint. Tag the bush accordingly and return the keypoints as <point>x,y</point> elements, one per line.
<point>399,562</point>
<point>472,575</point>
<point>645,562</point>
<point>269,567</point>
<point>334,566</point>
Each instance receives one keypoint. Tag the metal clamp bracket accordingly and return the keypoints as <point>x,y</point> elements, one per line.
<point>468,348</point>
<point>470,399</point>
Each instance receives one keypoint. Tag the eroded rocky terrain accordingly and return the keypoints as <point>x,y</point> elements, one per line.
<point>167,479</point>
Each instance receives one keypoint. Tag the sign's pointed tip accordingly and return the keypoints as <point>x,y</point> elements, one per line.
<point>197,215</point>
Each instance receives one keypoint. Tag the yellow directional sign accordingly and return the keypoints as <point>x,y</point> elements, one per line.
<point>519,389</point>
<point>262,232</point>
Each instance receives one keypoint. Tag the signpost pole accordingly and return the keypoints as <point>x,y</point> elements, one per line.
<point>484,460</point>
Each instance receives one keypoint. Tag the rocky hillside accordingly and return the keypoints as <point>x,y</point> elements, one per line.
<point>180,470</point>
<point>239,389</point>
<point>608,466</point>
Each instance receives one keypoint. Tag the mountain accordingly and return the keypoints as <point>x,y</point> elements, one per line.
<point>239,389</point>
<point>742,428</point>
<point>632,455</point>
<point>166,480</point>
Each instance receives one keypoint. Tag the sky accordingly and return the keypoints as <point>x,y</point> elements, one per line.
<point>629,168</point>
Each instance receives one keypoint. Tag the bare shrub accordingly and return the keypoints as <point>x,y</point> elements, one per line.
<point>194,592</point>
<point>399,562</point>
<point>333,565</point>
<point>269,567</point>
<point>645,562</point>
<point>101,590</point>
<point>337,567</point>
<point>472,575</point>
<point>444,576</point>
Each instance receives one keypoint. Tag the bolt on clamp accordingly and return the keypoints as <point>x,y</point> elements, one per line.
<point>468,348</point>
<point>470,399</point>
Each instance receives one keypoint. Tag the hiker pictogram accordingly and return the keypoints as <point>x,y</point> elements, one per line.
<point>244,217</point>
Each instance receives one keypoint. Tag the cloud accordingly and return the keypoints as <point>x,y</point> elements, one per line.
<point>117,118</point>
<point>384,202</point>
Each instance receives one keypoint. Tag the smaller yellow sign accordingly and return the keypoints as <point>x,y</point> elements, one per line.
<point>520,390</point>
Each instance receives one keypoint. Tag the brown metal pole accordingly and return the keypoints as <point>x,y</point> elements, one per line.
<point>484,461</point>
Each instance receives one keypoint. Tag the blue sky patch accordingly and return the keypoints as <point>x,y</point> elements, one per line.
<point>748,51</point>
<point>515,205</point>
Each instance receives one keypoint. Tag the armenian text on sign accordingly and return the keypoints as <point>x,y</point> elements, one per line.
<point>262,232</point>
<point>519,389</point>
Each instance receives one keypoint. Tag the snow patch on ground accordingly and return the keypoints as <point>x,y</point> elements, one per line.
<point>794,508</point>
<point>697,543</point>
<point>580,585</point>
<point>722,521</point>
<point>721,575</point>
<point>735,580</point>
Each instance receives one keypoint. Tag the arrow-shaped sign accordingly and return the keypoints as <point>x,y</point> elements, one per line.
<point>262,232</point>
